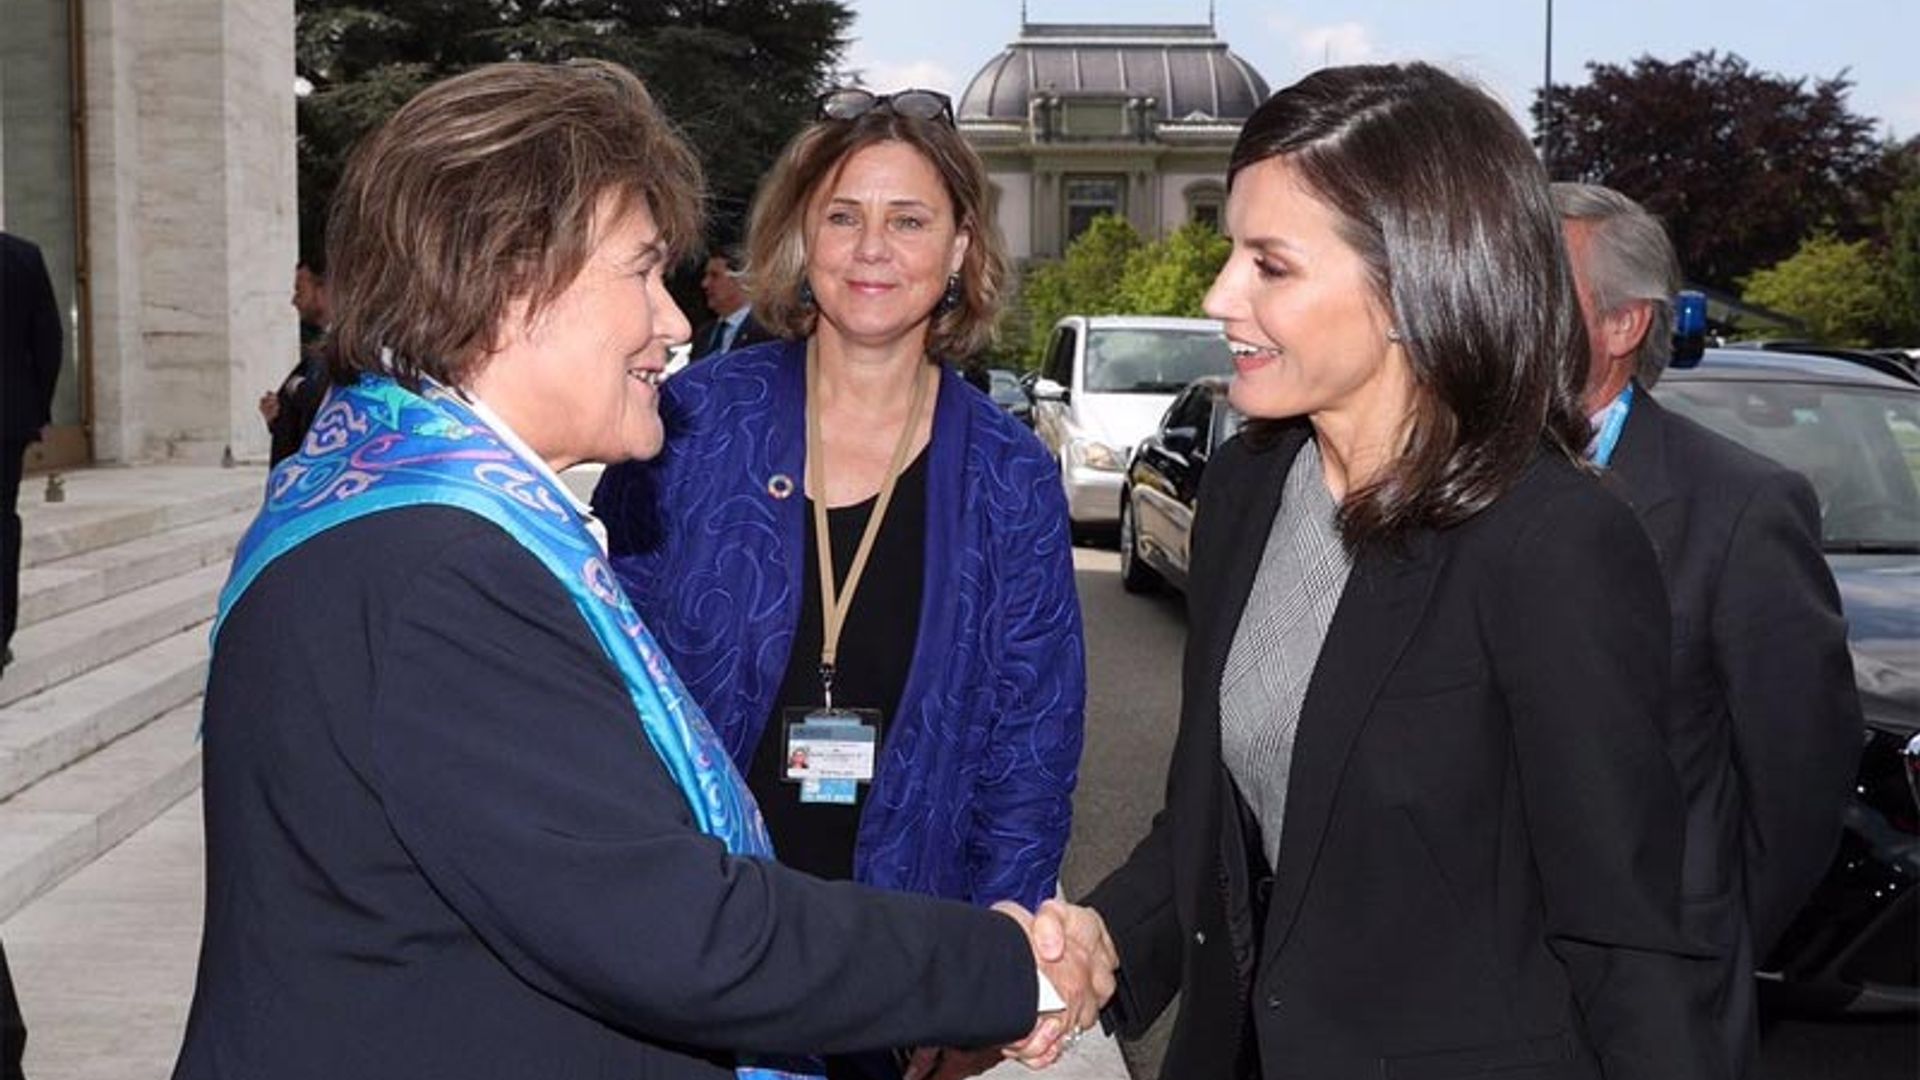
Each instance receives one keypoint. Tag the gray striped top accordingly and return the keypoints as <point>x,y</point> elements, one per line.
<point>1302,573</point>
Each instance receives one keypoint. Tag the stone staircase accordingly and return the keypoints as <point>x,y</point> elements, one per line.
<point>99,710</point>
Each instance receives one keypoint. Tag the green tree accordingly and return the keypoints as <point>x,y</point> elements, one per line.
<point>1741,164</point>
<point>1171,276</point>
<point>1841,289</point>
<point>739,76</point>
<point>1903,258</point>
<point>1086,281</point>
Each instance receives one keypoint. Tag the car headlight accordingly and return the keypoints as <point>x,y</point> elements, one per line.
<point>1098,455</point>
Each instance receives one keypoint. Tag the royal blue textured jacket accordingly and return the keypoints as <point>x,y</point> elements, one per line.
<point>973,796</point>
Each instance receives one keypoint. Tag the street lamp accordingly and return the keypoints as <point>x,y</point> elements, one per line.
<point>1546,98</point>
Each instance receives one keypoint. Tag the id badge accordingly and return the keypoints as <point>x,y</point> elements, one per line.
<point>830,752</point>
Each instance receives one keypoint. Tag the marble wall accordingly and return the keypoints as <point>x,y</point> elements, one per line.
<point>191,222</point>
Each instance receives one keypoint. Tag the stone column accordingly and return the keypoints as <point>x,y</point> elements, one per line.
<point>192,222</point>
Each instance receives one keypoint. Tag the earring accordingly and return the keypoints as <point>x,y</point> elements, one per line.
<point>806,294</point>
<point>1393,336</point>
<point>949,300</point>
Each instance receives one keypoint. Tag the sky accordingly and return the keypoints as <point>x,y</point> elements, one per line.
<point>940,44</point>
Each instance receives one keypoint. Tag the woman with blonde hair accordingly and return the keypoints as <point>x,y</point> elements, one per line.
<point>849,551</point>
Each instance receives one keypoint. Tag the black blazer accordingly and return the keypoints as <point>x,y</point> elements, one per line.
<point>30,341</point>
<point>1480,865</point>
<point>439,845</point>
<point>750,333</point>
<point>1764,721</point>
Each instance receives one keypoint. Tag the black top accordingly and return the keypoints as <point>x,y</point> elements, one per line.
<point>876,651</point>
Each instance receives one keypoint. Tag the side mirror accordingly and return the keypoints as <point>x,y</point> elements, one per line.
<point>1045,389</point>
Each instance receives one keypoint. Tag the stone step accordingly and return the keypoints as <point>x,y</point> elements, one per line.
<point>69,584</point>
<point>61,648</point>
<point>59,825</point>
<point>100,509</point>
<point>44,733</point>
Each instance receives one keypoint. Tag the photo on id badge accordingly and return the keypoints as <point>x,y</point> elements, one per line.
<point>830,752</point>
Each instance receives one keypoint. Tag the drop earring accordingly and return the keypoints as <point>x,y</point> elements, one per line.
<point>950,300</point>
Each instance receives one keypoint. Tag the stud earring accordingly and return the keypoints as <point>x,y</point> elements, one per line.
<point>1394,336</point>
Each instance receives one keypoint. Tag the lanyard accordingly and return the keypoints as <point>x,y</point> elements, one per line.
<point>836,603</point>
<point>1611,426</point>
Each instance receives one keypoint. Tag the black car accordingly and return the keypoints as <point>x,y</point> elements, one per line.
<point>1853,429</point>
<point>1163,481</point>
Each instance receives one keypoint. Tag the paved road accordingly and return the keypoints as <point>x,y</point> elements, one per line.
<point>1133,661</point>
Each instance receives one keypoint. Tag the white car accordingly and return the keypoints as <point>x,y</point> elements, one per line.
<point>1104,384</point>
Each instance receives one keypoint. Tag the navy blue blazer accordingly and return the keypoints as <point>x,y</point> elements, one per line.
<point>973,797</point>
<point>439,845</point>
<point>1763,722</point>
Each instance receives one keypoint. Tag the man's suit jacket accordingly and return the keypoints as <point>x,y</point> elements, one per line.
<point>750,333</point>
<point>439,844</point>
<point>1479,870</point>
<point>30,341</point>
<point>1763,722</point>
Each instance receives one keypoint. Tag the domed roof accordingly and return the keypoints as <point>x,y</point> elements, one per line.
<point>1186,69</point>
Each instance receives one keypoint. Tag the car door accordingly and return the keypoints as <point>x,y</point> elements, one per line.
<point>1189,435</point>
<point>1218,423</point>
<point>1162,517</point>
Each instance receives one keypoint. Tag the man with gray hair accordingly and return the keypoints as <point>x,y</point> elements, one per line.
<point>1764,721</point>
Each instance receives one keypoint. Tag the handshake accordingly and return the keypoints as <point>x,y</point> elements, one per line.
<point>1077,958</point>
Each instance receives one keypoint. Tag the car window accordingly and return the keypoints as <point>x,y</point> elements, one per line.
<point>1189,410</point>
<point>1858,446</point>
<point>1226,420</point>
<point>1121,361</point>
<point>1006,387</point>
<point>1060,359</point>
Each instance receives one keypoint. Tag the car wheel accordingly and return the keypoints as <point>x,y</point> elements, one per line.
<point>1135,575</point>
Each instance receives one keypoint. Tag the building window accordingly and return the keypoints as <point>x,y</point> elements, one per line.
<point>1204,202</point>
<point>1089,197</point>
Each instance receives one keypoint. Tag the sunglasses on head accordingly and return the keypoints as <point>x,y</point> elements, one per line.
<point>852,103</point>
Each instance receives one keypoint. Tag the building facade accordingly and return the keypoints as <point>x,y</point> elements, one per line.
<point>1076,121</point>
<point>148,149</point>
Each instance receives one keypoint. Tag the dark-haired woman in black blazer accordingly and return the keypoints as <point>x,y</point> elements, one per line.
<point>1420,821</point>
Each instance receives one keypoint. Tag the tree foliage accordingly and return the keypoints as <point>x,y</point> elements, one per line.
<point>1086,280</point>
<point>1841,289</point>
<point>1741,164</point>
<point>1902,224</point>
<point>738,76</point>
<point>1171,276</point>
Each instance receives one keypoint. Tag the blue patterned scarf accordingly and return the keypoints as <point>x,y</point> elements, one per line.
<point>378,446</point>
